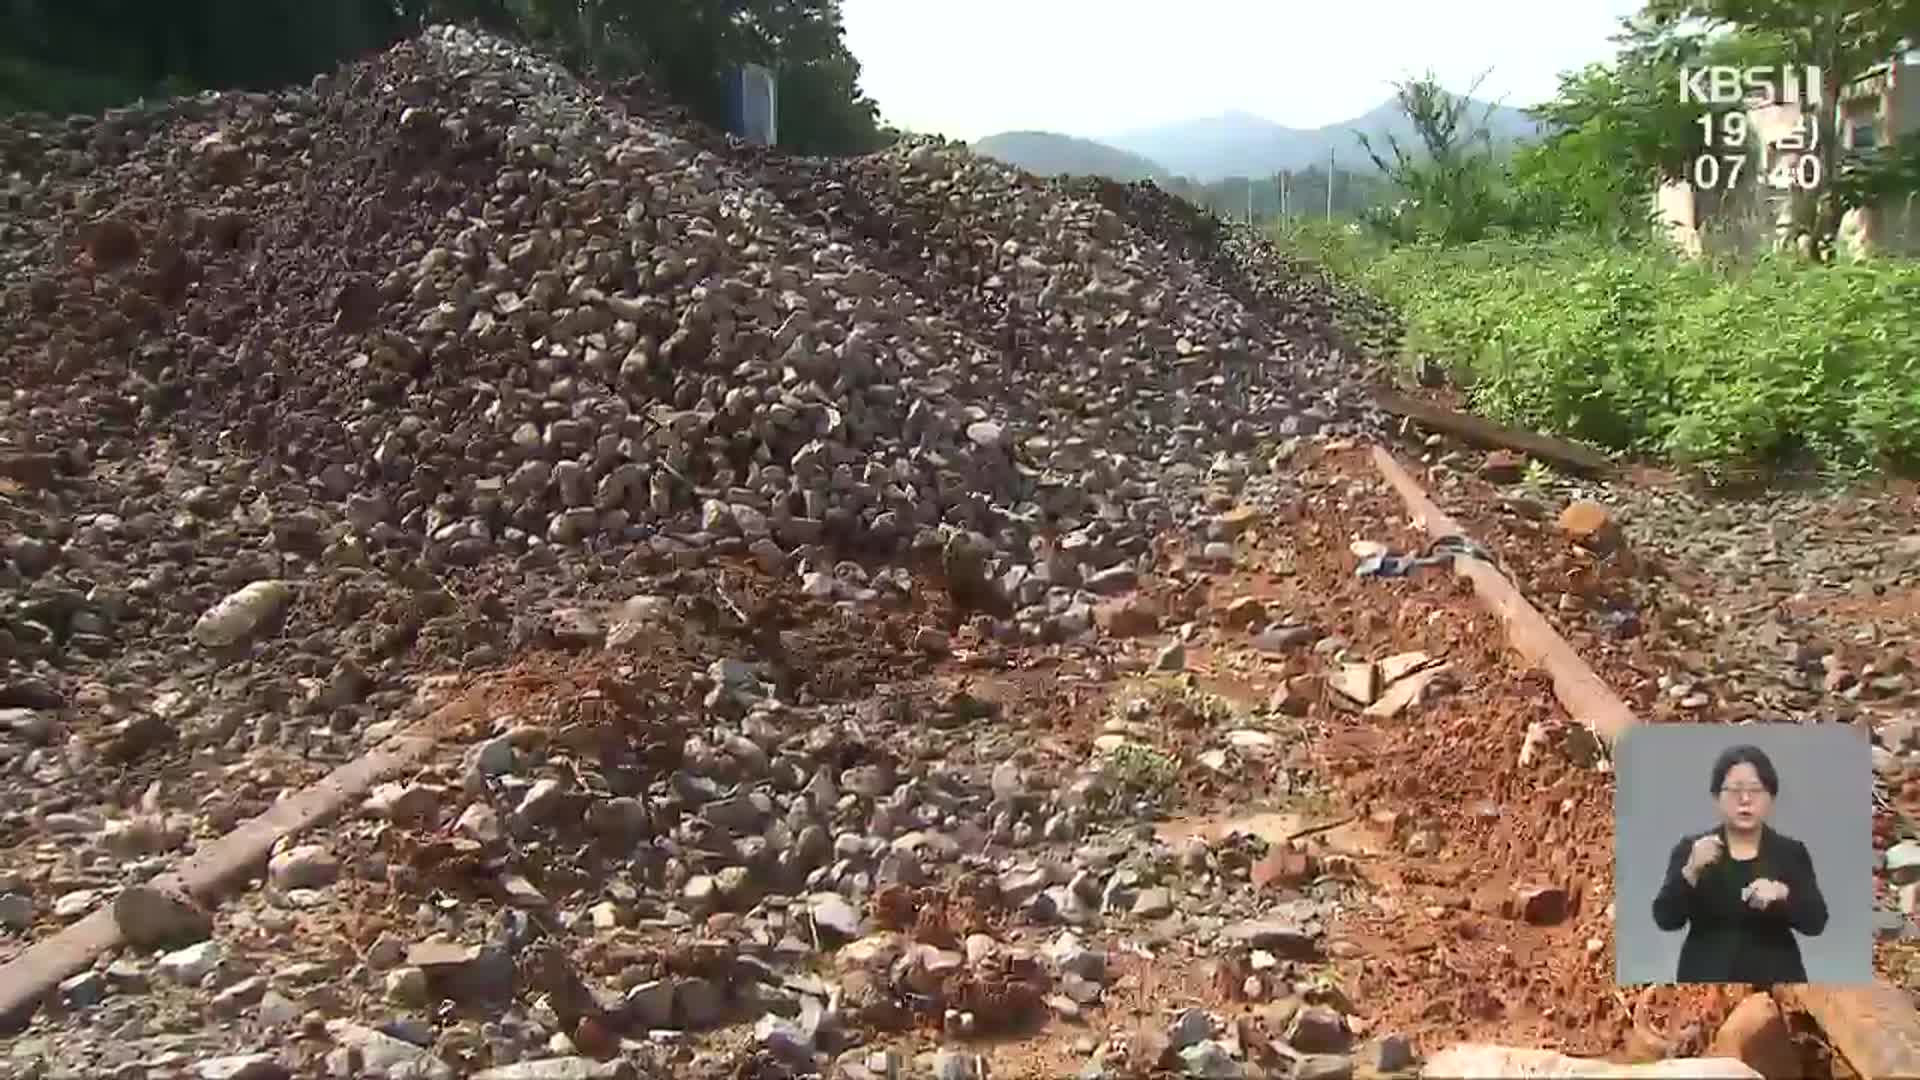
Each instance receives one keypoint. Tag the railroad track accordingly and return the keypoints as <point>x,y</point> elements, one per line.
<point>1874,1030</point>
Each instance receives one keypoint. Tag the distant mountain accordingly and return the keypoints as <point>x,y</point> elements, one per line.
<point>1232,144</point>
<point>1047,154</point>
<point>1241,144</point>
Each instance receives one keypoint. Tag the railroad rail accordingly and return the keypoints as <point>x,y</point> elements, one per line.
<point>1875,1029</point>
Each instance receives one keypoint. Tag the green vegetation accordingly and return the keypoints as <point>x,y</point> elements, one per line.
<point>1138,770</point>
<point>1844,38</point>
<point>1540,280</point>
<point>64,56</point>
<point>1633,349</point>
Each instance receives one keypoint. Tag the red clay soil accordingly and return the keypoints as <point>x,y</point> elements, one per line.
<point>1447,960</point>
<point>1449,823</point>
<point>1546,565</point>
<point>1464,970</point>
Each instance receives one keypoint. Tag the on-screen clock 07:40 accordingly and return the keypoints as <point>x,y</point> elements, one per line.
<point>1778,170</point>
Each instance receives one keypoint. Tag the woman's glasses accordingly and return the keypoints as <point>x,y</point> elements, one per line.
<point>1741,791</point>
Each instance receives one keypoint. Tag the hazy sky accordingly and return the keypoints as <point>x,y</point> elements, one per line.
<point>968,68</point>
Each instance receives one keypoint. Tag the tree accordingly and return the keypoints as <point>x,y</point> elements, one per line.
<point>688,47</point>
<point>1618,130</point>
<point>85,55</point>
<point>1844,38</point>
<point>1449,180</point>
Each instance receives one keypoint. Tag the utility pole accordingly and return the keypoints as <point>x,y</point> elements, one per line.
<point>1329,183</point>
<point>1249,200</point>
<point>1280,181</point>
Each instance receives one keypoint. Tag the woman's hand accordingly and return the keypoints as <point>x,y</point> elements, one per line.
<point>1705,851</point>
<point>1764,891</point>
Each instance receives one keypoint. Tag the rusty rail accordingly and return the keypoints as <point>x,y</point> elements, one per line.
<point>1874,1028</point>
<point>1585,696</point>
<point>27,979</point>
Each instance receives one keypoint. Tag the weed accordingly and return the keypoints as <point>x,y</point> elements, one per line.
<point>1174,702</point>
<point>1139,769</point>
<point>1638,351</point>
<point>1538,476</point>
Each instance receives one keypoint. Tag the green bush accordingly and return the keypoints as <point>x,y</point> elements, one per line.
<point>1341,246</point>
<point>1636,350</point>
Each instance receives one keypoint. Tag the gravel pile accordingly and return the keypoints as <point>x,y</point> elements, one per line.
<point>446,359</point>
<point>448,312</point>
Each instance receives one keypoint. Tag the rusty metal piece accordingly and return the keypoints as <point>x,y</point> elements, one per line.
<point>27,979</point>
<point>1582,693</point>
<point>1874,1028</point>
<point>1473,429</point>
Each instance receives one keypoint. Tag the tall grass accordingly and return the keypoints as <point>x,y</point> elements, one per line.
<point>1636,350</point>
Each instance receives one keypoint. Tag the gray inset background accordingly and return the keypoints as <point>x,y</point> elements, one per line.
<point>1826,802</point>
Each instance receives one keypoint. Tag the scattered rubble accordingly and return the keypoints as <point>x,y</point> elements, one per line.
<point>867,587</point>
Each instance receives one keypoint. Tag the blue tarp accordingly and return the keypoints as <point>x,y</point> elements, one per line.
<point>754,115</point>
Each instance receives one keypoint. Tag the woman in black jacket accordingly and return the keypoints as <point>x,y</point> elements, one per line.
<point>1741,889</point>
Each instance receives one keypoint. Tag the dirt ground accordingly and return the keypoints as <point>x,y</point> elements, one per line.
<point>1424,831</point>
<point>1445,825</point>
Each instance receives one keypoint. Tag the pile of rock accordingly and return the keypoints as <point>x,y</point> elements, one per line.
<point>446,311</point>
<point>433,360</point>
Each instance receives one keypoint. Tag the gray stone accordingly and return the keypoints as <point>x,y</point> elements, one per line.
<point>385,1057</point>
<point>72,905</point>
<point>1071,956</point>
<point>276,1010</point>
<point>698,1003</point>
<point>1113,580</point>
<point>783,1037</point>
<point>1903,861</point>
<point>1324,1067</point>
<point>16,911</point>
<point>1317,1029</point>
<point>243,614</point>
<point>1171,657</point>
<point>1209,1060</point>
<point>1288,941</point>
<point>1190,1027</point>
<point>739,814</point>
<point>236,998</point>
<point>404,804</point>
<point>1154,902</point>
<point>543,802</point>
<point>83,990</point>
<point>833,915</point>
<point>1279,639</point>
<point>33,725</point>
<point>489,759</point>
<point>150,916</point>
<point>242,1067</point>
<point>470,974</point>
<point>651,1004</point>
<point>1080,989</point>
<point>408,986</point>
<point>956,1065</point>
<point>1393,1053</point>
<point>308,866</point>
<point>559,1068</point>
<point>195,962</point>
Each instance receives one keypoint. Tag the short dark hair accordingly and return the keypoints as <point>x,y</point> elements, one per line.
<point>1745,755</point>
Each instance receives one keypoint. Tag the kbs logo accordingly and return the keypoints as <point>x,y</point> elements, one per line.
<point>1727,85</point>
